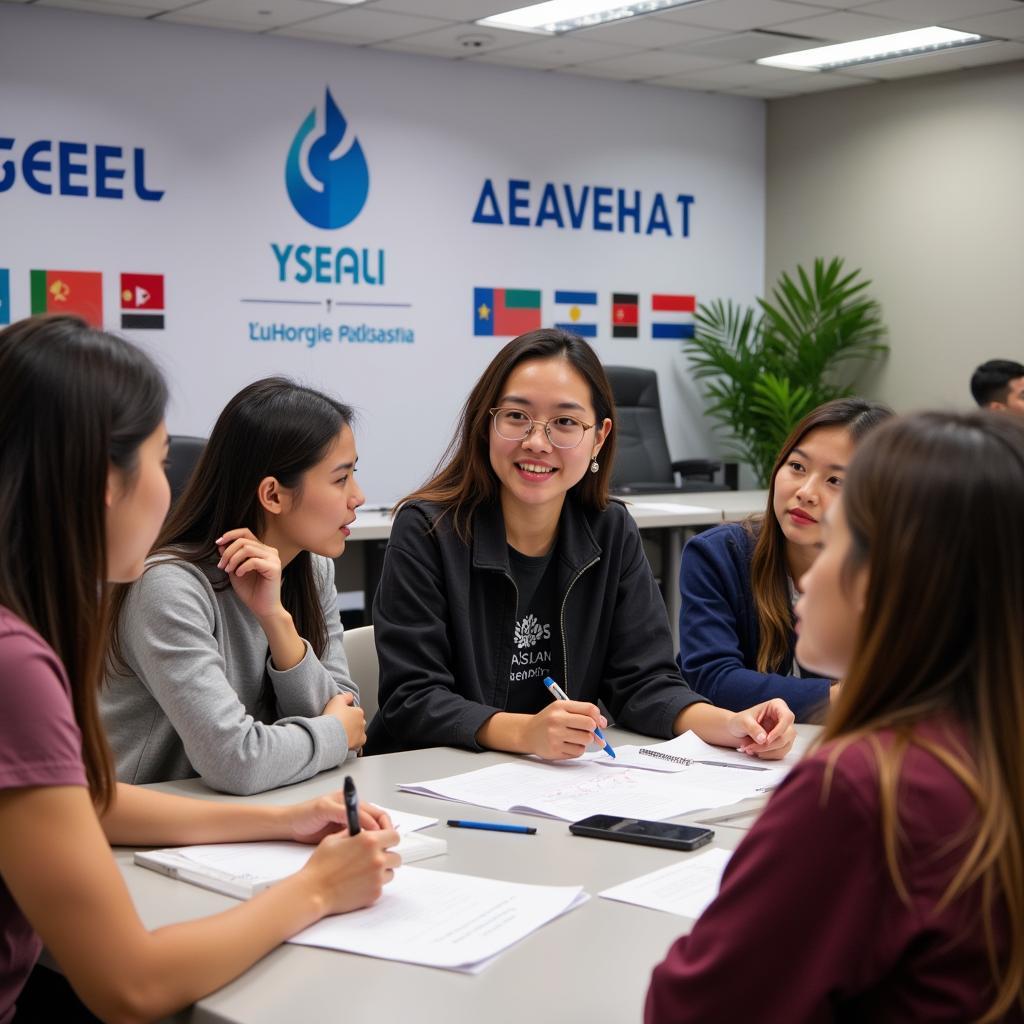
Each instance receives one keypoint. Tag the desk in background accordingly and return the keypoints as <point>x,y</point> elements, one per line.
<point>689,511</point>
<point>593,965</point>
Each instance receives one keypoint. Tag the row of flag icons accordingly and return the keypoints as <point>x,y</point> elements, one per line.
<point>506,312</point>
<point>81,292</point>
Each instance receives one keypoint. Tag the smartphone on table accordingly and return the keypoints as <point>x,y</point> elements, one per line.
<point>647,833</point>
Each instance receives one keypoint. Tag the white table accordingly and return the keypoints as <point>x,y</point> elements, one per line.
<point>590,966</point>
<point>672,514</point>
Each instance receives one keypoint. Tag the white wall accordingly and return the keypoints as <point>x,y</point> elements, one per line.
<point>216,113</point>
<point>918,182</point>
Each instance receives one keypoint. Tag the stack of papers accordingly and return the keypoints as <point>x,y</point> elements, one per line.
<point>571,790</point>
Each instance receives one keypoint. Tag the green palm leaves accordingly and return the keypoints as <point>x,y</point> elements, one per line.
<point>764,371</point>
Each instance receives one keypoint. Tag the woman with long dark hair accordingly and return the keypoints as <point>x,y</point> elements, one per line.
<point>227,659</point>
<point>738,581</point>
<point>884,881</point>
<point>82,444</point>
<point>512,565</point>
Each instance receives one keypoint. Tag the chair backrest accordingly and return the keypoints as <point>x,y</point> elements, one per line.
<point>362,665</point>
<point>182,455</point>
<point>641,454</point>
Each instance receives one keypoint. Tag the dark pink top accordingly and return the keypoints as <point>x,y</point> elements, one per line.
<point>40,745</point>
<point>808,926</point>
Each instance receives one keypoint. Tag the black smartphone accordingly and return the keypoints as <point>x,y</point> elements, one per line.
<point>636,830</point>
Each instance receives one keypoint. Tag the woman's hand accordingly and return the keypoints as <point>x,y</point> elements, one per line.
<point>353,719</point>
<point>350,872</point>
<point>765,730</point>
<point>254,569</point>
<point>313,820</point>
<point>563,729</point>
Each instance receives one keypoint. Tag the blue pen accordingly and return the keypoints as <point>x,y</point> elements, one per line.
<point>559,694</point>
<point>492,826</point>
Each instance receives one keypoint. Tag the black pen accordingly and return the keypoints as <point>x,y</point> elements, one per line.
<point>351,806</point>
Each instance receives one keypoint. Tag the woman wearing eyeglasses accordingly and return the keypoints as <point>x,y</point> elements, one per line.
<point>511,565</point>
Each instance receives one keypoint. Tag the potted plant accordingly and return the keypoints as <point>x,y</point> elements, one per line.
<point>764,369</point>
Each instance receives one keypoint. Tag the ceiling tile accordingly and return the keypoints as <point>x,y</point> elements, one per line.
<point>247,15</point>
<point>1005,25</point>
<point>935,12</point>
<point>360,25</point>
<point>556,52</point>
<point>94,7</point>
<point>749,45</point>
<point>842,26</point>
<point>731,75</point>
<point>646,31</point>
<point>450,41</point>
<point>739,15</point>
<point>449,10</point>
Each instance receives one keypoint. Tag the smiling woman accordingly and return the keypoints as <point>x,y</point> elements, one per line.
<point>227,659</point>
<point>511,565</point>
<point>737,581</point>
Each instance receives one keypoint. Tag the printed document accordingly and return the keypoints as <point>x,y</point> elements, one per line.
<point>684,888</point>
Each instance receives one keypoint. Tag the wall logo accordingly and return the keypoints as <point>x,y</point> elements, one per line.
<point>327,177</point>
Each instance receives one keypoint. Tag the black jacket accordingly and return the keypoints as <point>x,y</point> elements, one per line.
<point>444,615</point>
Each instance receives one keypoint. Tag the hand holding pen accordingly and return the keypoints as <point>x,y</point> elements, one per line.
<point>565,728</point>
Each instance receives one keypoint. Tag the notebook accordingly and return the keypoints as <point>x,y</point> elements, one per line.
<point>243,869</point>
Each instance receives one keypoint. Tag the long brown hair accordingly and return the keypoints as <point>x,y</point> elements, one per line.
<point>768,569</point>
<point>464,479</point>
<point>74,401</point>
<point>272,427</point>
<point>935,507</point>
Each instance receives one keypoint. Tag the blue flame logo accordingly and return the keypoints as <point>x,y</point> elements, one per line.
<point>327,182</point>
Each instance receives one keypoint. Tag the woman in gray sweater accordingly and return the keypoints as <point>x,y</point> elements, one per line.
<point>226,660</point>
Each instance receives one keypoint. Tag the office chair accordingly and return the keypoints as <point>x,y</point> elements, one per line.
<point>642,462</point>
<point>182,455</point>
<point>362,666</point>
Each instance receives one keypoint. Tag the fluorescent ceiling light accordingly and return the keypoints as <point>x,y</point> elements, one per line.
<point>915,43</point>
<point>557,16</point>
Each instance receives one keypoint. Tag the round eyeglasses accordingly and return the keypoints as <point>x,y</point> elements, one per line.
<point>515,425</point>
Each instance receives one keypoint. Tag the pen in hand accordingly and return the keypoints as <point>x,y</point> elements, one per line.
<point>559,694</point>
<point>351,806</point>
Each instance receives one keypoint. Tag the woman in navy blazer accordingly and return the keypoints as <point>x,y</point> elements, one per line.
<point>736,636</point>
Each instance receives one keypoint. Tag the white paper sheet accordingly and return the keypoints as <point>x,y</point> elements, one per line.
<point>440,919</point>
<point>571,790</point>
<point>685,888</point>
<point>406,821</point>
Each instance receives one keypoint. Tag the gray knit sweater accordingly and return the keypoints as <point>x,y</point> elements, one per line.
<point>192,703</point>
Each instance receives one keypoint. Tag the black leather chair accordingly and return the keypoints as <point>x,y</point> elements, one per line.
<point>182,455</point>
<point>642,462</point>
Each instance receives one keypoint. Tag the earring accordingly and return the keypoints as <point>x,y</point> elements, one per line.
<point>594,467</point>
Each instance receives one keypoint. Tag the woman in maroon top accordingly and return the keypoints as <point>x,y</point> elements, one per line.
<point>885,879</point>
<point>82,446</point>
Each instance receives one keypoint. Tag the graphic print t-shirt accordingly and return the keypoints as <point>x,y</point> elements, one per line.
<point>536,640</point>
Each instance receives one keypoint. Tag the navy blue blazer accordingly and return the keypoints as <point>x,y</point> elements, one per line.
<point>719,631</point>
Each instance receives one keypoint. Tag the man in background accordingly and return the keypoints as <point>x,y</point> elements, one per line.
<point>999,384</point>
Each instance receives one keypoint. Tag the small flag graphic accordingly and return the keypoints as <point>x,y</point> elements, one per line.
<point>505,311</point>
<point>672,318</point>
<point>68,291</point>
<point>5,296</point>
<point>625,314</point>
<point>572,308</point>
<point>142,302</point>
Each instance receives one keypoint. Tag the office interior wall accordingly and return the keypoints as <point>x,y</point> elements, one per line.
<point>215,114</point>
<point>917,182</point>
